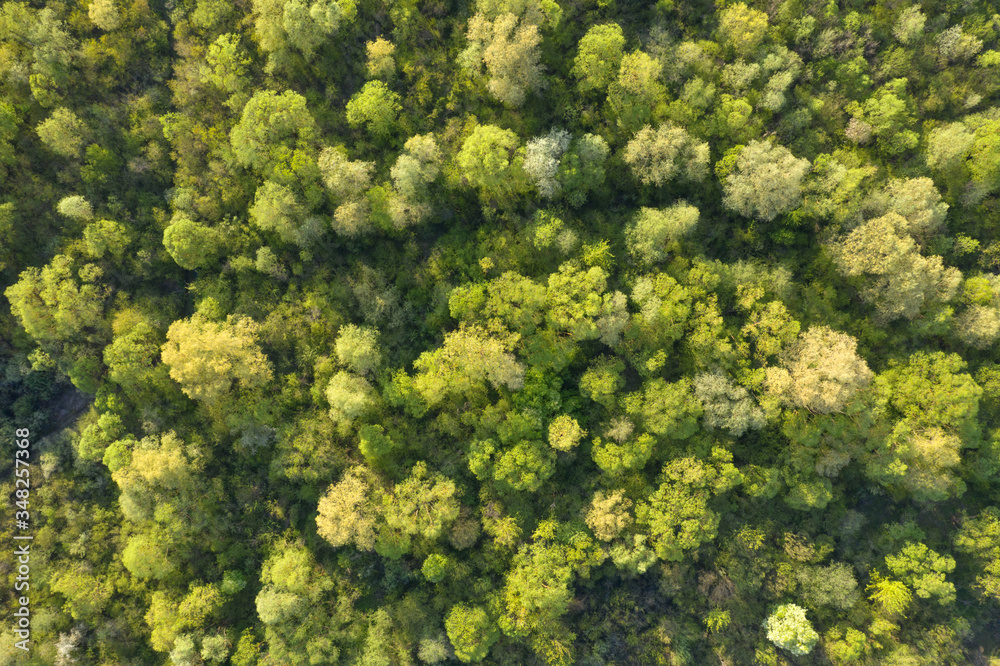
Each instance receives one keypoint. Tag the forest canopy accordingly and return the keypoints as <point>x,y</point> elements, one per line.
<point>512,332</point>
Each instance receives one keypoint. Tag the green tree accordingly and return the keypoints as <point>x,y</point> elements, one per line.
<point>350,511</point>
<point>357,347</point>
<point>349,396</point>
<point>489,160</point>
<point>598,57</point>
<point>890,118</point>
<point>677,514</point>
<point>276,136</point>
<point>381,64</point>
<point>918,202</point>
<point>924,571</point>
<point>277,208</point>
<point>63,133</point>
<point>106,237</point>
<point>374,106</point>
<point>423,504</point>
<point>979,537</point>
<point>417,167</point>
<point>104,14</point>
<point>637,92</point>
<point>471,632</point>
<point>468,358</point>
<point>59,303</point>
<point>75,207</point>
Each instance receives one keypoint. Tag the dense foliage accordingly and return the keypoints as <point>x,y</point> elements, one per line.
<point>509,331</point>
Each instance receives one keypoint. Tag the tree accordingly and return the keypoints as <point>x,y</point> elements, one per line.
<point>821,371</point>
<point>104,14</point>
<point>346,180</point>
<point>489,162</point>
<point>226,68</point>
<point>374,106</point>
<point>301,621</point>
<point>190,244</point>
<point>636,93</point>
<point>888,114</point>
<point>55,306</point>
<point>608,514</point>
<point>602,380</point>
<point>924,571</point>
<point>667,410</point>
<point>938,404</point>
<point>423,504</point>
<point>598,57</point>
<point>357,347</point>
<point>106,237</point>
<point>788,628</point>
<point>669,152</point>
<point>677,515</point>
<point>948,146</point>
<point>75,207</point>
<point>281,25</point>
<point>381,64</point>
<point>953,44</point>
<point>349,396</point>
<point>626,454</point>
<point>525,466</point>
<point>910,25</point>
<point>509,49</point>
<point>277,208</point>
<point>742,28</point>
<point>468,358</point>
<point>900,281</point>
<point>654,230</point>
<point>276,136</point>
<point>832,585</point>
<point>62,133</point>
<point>417,167</point>
<point>207,358</point>
<point>581,169</point>
<point>918,202</point>
<point>471,632</point>
<point>350,511</point>
<point>541,161</point>
<point>766,181</point>
<point>979,537</point>
<point>133,355</point>
<point>565,433</point>
<point>726,404</point>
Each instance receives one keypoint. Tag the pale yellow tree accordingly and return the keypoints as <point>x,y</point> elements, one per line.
<point>468,358</point>
<point>821,371</point>
<point>350,511</point>
<point>608,514</point>
<point>899,280</point>
<point>509,50</point>
<point>381,64</point>
<point>207,358</point>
